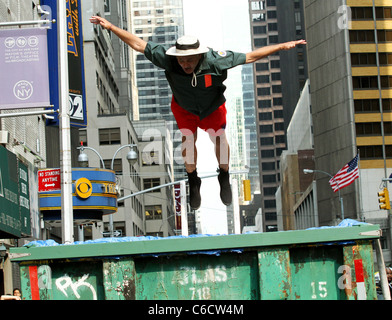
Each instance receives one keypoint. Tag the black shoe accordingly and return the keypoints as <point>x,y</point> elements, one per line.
<point>194,190</point>
<point>225,192</point>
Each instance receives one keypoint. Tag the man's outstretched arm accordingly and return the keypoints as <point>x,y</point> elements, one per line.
<point>130,39</point>
<point>268,50</point>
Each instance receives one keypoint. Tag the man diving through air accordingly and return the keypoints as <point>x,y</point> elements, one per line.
<point>196,75</point>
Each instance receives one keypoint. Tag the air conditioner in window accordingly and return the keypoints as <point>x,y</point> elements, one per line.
<point>4,137</point>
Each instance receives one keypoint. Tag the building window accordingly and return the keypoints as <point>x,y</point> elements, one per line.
<point>264,104</point>
<point>362,13</point>
<point>117,165</point>
<point>269,166</point>
<point>358,59</point>
<point>383,13</point>
<point>153,212</point>
<point>269,204</point>
<point>278,114</point>
<point>371,82</point>
<point>259,30</point>
<point>263,79</point>
<point>258,17</point>
<point>279,126</point>
<point>150,158</point>
<point>257,5</point>
<point>269,178</point>
<point>264,116</point>
<point>109,136</point>
<point>259,43</point>
<point>266,129</point>
<point>372,105</point>
<point>361,36</point>
<point>270,216</point>
<point>263,91</point>
<point>107,6</point>
<point>267,154</point>
<point>267,141</point>
<point>275,64</point>
<point>151,183</point>
<point>280,139</point>
<point>269,191</point>
<point>374,152</point>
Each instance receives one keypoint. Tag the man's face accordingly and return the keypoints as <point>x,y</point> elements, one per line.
<point>189,63</point>
<point>389,274</point>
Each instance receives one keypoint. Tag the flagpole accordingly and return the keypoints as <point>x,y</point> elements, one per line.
<point>340,196</point>
<point>341,200</point>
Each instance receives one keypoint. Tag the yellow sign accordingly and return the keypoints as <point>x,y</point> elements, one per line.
<point>247,191</point>
<point>83,188</point>
<point>109,188</point>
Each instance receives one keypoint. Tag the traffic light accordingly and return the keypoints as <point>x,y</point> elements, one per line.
<point>247,191</point>
<point>384,200</point>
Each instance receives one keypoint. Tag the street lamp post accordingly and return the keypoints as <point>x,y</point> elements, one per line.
<point>83,158</point>
<point>64,128</point>
<point>131,157</point>
<point>306,171</point>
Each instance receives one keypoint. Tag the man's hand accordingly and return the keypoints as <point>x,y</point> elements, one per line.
<point>102,22</point>
<point>292,44</point>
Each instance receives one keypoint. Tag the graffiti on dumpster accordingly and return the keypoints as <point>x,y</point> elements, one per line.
<point>53,282</point>
<point>66,282</point>
<point>190,275</point>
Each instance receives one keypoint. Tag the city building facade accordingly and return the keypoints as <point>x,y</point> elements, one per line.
<point>156,169</point>
<point>349,71</point>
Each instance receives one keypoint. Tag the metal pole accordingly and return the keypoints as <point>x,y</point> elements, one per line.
<point>381,269</point>
<point>115,154</point>
<point>67,229</point>
<point>26,23</point>
<point>27,113</point>
<point>184,211</point>
<point>236,207</point>
<point>96,152</point>
<point>172,184</point>
<point>379,89</point>
<point>340,197</point>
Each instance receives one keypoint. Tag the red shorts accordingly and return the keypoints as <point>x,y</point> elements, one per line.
<point>187,122</point>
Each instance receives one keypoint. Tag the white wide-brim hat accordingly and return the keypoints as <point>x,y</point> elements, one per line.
<point>187,46</point>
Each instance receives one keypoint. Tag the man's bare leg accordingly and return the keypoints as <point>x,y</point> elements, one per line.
<point>222,152</point>
<point>189,152</point>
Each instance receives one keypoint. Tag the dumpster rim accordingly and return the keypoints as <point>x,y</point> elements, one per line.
<point>188,244</point>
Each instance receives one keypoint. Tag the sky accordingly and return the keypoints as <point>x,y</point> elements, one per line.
<point>221,25</point>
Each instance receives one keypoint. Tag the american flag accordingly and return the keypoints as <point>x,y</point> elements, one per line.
<point>346,175</point>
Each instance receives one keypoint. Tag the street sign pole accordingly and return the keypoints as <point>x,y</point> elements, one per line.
<point>65,128</point>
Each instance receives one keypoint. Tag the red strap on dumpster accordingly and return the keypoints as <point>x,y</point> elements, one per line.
<point>359,271</point>
<point>359,276</point>
<point>33,272</point>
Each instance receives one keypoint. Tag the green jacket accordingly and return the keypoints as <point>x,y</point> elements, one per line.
<point>208,95</point>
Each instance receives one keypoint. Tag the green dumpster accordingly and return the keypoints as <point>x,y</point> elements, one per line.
<point>318,264</point>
